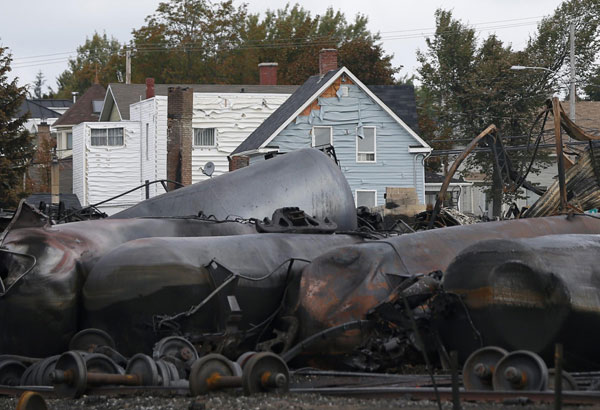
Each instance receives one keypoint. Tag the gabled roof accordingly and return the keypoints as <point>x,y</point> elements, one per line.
<point>401,100</point>
<point>303,97</point>
<point>51,102</point>
<point>123,95</point>
<point>82,110</point>
<point>35,110</point>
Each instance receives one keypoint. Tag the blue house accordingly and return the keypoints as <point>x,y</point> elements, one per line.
<point>376,149</point>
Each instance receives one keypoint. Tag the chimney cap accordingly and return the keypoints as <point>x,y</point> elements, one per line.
<point>268,64</point>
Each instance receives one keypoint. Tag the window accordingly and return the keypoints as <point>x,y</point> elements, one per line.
<point>366,198</point>
<point>322,136</point>
<point>97,106</point>
<point>107,137</point>
<point>69,140</point>
<point>204,137</point>
<point>147,131</point>
<point>365,146</point>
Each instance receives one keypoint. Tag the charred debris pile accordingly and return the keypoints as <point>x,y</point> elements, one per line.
<point>272,271</point>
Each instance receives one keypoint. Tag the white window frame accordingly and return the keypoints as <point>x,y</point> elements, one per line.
<point>147,141</point>
<point>215,134</point>
<point>374,147</point>
<point>67,140</point>
<point>356,191</point>
<point>107,137</point>
<point>312,133</point>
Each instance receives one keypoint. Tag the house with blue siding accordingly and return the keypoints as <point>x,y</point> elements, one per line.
<point>375,148</point>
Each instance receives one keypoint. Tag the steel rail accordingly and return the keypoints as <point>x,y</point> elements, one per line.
<point>409,393</point>
<point>428,393</point>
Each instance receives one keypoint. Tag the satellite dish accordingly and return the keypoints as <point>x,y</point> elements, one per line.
<point>208,169</point>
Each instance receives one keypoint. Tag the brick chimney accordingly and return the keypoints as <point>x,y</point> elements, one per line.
<point>237,162</point>
<point>149,88</point>
<point>327,60</point>
<point>179,135</point>
<point>268,73</point>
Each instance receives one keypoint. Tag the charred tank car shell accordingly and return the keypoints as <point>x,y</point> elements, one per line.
<point>528,294</point>
<point>143,279</point>
<point>343,285</point>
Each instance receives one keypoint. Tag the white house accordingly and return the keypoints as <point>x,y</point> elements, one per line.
<point>111,157</point>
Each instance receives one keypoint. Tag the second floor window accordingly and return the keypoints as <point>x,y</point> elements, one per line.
<point>365,146</point>
<point>322,136</point>
<point>69,140</point>
<point>107,137</point>
<point>205,137</point>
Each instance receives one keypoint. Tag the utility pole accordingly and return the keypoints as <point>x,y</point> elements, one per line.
<point>128,67</point>
<point>572,88</point>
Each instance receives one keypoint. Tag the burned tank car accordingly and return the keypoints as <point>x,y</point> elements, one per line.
<point>344,284</point>
<point>305,178</point>
<point>136,291</point>
<point>528,294</point>
<point>43,269</point>
<point>41,305</point>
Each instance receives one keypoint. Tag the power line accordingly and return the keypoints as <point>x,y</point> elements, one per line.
<point>408,36</point>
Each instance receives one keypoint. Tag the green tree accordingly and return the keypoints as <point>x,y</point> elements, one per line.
<point>187,41</point>
<point>592,88</point>
<point>195,41</point>
<point>38,84</point>
<point>99,57</point>
<point>468,85</point>
<point>16,148</point>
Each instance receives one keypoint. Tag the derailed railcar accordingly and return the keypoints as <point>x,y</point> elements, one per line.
<point>527,294</point>
<point>147,288</point>
<point>345,284</point>
<point>43,270</point>
<point>43,267</point>
<point>305,178</point>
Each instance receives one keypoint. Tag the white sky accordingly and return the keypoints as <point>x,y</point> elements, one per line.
<point>33,29</point>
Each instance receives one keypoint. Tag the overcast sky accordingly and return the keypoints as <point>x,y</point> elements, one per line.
<point>41,34</point>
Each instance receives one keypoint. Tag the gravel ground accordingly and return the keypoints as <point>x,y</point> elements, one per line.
<point>235,401</point>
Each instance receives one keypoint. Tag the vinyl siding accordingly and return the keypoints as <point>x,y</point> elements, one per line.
<point>234,116</point>
<point>151,114</point>
<point>79,163</point>
<point>100,173</point>
<point>394,166</point>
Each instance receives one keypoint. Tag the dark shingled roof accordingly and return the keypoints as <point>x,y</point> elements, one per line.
<point>70,200</point>
<point>127,94</point>
<point>35,110</point>
<point>285,111</point>
<point>399,98</point>
<point>50,103</point>
<point>82,110</point>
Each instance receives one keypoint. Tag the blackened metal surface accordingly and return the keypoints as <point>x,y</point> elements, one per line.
<point>343,285</point>
<point>529,294</point>
<point>305,178</point>
<point>140,280</point>
<point>39,314</point>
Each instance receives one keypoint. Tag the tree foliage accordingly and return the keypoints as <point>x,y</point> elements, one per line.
<point>16,148</point>
<point>99,57</point>
<point>196,41</point>
<point>467,85</point>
